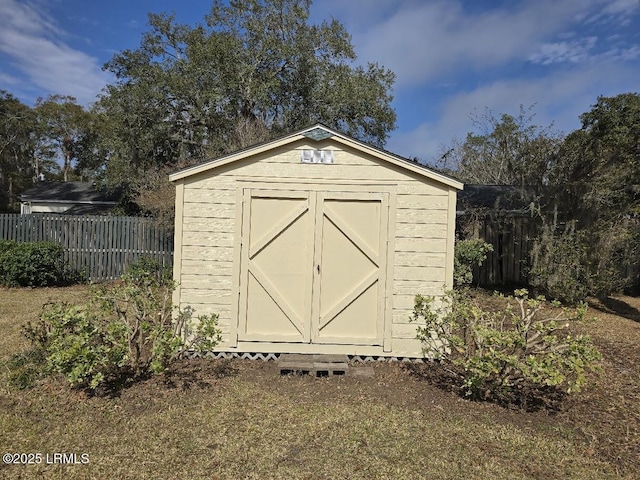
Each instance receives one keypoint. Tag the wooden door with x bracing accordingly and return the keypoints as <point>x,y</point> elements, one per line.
<point>313,267</point>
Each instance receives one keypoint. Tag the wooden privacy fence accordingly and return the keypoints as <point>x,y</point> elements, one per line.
<point>512,239</point>
<point>101,246</point>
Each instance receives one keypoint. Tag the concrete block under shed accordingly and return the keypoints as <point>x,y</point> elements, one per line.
<point>316,365</point>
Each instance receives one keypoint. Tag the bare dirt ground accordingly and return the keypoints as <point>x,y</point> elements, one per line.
<point>605,415</point>
<point>241,419</point>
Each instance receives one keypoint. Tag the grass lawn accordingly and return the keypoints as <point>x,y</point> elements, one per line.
<point>240,419</point>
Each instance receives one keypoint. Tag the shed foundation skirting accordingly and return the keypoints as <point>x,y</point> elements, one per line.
<point>274,357</point>
<point>414,349</point>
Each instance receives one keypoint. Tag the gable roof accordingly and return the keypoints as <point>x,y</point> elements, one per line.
<point>316,133</point>
<point>70,192</point>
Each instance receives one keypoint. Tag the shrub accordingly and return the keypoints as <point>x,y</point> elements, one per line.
<point>468,253</point>
<point>6,245</point>
<point>559,265</point>
<point>126,331</point>
<point>568,264</point>
<point>36,264</point>
<point>505,354</point>
<point>146,268</point>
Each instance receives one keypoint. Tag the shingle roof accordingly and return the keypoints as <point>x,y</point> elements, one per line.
<point>496,197</point>
<point>70,192</point>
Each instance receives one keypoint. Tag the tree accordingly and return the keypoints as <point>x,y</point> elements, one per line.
<point>611,153</point>
<point>16,149</point>
<point>604,174</point>
<point>587,197</point>
<point>253,71</point>
<point>61,124</point>
<point>505,151</point>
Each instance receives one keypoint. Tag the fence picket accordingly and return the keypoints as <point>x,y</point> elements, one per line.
<point>104,246</point>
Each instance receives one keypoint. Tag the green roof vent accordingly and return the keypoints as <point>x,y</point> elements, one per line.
<point>318,134</point>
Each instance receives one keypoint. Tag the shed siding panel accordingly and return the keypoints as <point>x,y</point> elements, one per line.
<point>206,239</point>
<point>207,267</point>
<point>409,186</point>
<point>406,347</point>
<point>205,282</point>
<point>419,263</point>
<point>420,230</point>
<point>217,196</point>
<point>196,252</point>
<point>207,260</point>
<point>422,217</point>
<point>420,245</point>
<point>422,259</point>
<point>421,201</point>
<point>424,274</point>
<point>404,330</point>
<point>209,210</point>
<point>403,315</point>
<point>300,170</point>
<point>205,297</point>
<point>201,224</point>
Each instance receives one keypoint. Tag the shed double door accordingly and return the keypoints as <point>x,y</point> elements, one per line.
<point>313,267</point>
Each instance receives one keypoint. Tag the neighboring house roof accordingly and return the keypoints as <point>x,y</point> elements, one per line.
<point>90,209</point>
<point>70,192</point>
<point>508,198</point>
<point>319,132</point>
<point>84,198</point>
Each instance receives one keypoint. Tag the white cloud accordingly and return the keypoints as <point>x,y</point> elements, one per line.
<point>493,55</point>
<point>8,79</point>
<point>36,49</point>
<point>625,54</point>
<point>421,41</point>
<point>560,52</point>
<point>559,99</point>
<point>426,41</point>
<point>617,11</point>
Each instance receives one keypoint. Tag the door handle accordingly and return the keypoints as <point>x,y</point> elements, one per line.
<point>318,268</point>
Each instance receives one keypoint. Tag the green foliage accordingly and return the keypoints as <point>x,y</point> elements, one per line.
<point>147,270</point>
<point>468,253</point>
<point>597,177</point>
<point>504,150</point>
<point>251,71</point>
<point>610,163</point>
<point>559,266</point>
<point>501,354</point>
<point>18,137</point>
<point>570,264</point>
<point>35,264</point>
<point>78,347</point>
<point>62,127</point>
<point>124,333</point>
<point>583,189</point>
<point>6,245</point>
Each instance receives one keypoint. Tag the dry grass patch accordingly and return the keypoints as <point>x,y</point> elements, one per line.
<point>240,419</point>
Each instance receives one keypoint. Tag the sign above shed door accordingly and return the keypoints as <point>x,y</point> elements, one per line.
<point>313,267</point>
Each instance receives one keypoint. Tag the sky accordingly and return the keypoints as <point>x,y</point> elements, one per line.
<point>452,58</point>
